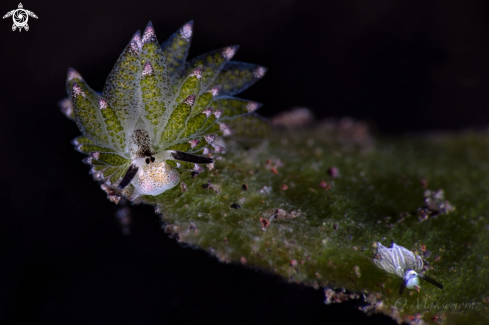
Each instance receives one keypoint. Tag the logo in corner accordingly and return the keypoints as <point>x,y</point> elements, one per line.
<point>20,17</point>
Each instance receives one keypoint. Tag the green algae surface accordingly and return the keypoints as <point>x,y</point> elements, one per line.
<point>310,205</point>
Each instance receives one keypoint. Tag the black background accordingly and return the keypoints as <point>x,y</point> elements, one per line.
<point>406,66</point>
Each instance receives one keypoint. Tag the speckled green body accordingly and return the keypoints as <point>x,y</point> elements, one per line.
<point>153,93</point>
<point>177,122</point>
<point>114,127</point>
<point>86,112</point>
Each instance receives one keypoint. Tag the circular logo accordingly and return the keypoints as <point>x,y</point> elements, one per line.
<point>20,18</point>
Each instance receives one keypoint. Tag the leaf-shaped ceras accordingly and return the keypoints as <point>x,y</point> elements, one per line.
<point>158,112</point>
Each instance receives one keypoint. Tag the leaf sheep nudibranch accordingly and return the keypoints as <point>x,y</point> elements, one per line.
<point>158,112</point>
<point>402,262</point>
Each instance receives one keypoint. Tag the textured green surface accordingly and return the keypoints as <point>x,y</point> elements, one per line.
<point>87,113</point>
<point>110,158</point>
<point>155,85</point>
<point>82,140</point>
<point>114,127</point>
<point>202,102</point>
<point>122,85</point>
<point>190,86</point>
<point>209,122</point>
<point>325,232</point>
<point>194,124</point>
<point>176,124</point>
<point>183,146</point>
<point>87,148</point>
<point>175,50</point>
<point>234,107</point>
<point>236,77</point>
<point>98,165</point>
<point>116,174</point>
<point>211,64</point>
<point>151,93</point>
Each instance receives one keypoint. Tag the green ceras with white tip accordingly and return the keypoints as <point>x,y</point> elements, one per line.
<point>158,112</point>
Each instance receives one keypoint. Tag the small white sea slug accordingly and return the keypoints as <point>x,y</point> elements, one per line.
<point>403,263</point>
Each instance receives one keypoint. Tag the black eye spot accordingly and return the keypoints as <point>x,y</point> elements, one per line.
<point>147,160</point>
<point>153,159</point>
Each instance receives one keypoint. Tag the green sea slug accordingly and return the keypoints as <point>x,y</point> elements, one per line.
<point>158,112</point>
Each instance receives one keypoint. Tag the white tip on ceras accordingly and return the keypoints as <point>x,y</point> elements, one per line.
<point>186,31</point>
<point>78,147</point>
<point>210,138</point>
<point>190,100</point>
<point>102,104</point>
<point>229,52</point>
<point>66,106</point>
<point>217,113</point>
<point>87,160</point>
<point>207,111</point>
<point>148,69</point>
<point>218,149</point>
<point>198,168</point>
<point>252,106</point>
<point>73,74</point>
<point>136,43</point>
<point>193,143</point>
<point>214,91</point>
<point>197,73</point>
<point>98,175</point>
<point>77,91</point>
<point>226,130</point>
<point>206,151</point>
<point>95,154</point>
<point>149,34</point>
<point>259,72</point>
